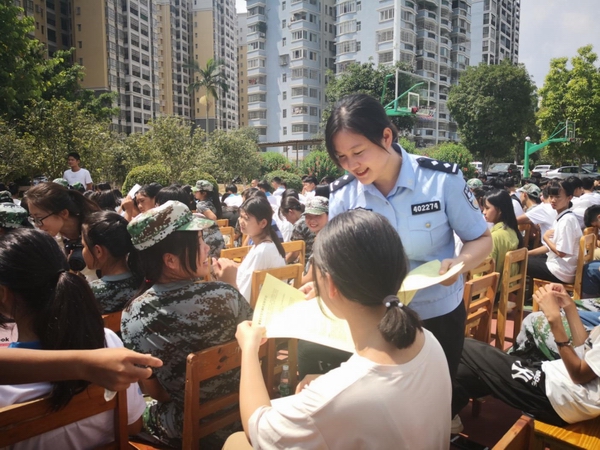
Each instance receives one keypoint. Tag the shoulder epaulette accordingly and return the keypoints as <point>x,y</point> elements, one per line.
<point>342,181</point>
<point>440,166</point>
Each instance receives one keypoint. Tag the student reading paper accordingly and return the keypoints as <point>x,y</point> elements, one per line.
<point>365,403</point>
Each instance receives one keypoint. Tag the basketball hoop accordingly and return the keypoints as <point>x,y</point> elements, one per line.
<point>426,113</point>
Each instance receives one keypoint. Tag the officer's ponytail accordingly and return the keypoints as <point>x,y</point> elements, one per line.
<point>364,256</point>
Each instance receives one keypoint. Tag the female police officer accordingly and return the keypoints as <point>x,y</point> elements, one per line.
<point>425,200</point>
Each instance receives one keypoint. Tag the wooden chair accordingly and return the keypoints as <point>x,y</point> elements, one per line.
<point>519,436</point>
<point>486,267</point>
<point>25,420</point>
<point>513,288</point>
<point>202,366</point>
<point>236,254</point>
<point>222,222</point>
<point>230,232</point>
<point>479,298</point>
<point>294,272</point>
<point>296,246</point>
<point>587,245</point>
<point>112,321</point>
<point>525,230</point>
<point>582,435</point>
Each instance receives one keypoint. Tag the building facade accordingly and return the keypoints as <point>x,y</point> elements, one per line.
<point>495,31</point>
<point>290,45</point>
<point>241,64</point>
<point>431,36</point>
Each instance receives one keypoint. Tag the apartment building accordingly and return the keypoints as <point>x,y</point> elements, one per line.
<point>52,19</point>
<point>495,31</point>
<point>214,36</point>
<point>242,47</point>
<point>431,36</point>
<point>290,45</point>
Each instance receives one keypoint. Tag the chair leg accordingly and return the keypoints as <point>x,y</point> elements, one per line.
<point>476,407</point>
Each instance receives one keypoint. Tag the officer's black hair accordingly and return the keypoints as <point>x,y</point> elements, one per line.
<point>62,309</point>
<point>360,114</point>
<point>378,272</point>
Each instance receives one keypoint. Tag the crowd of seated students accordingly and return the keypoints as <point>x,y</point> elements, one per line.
<point>149,253</point>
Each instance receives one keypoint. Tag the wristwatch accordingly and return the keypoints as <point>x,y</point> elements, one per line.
<point>563,344</point>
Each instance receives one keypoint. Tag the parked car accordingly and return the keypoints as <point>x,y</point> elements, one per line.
<point>478,166</point>
<point>590,167</point>
<point>504,170</point>
<point>569,171</point>
<point>520,167</point>
<point>542,169</point>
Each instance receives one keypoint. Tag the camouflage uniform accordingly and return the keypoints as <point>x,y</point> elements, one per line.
<point>172,320</point>
<point>114,291</point>
<point>12,216</point>
<point>302,233</point>
<point>214,239</point>
<point>203,205</point>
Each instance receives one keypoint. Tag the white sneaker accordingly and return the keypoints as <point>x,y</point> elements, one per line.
<point>456,426</point>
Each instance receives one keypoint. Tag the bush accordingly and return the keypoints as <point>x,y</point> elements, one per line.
<point>150,173</point>
<point>190,177</point>
<point>291,180</point>
<point>272,161</point>
<point>319,164</point>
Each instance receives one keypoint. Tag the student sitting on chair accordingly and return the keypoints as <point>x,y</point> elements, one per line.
<point>365,403</point>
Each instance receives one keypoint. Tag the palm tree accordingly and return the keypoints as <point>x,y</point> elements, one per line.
<point>210,78</point>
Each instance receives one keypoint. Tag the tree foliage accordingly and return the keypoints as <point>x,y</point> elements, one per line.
<point>572,94</point>
<point>319,164</point>
<point>452,153</point>
<point>232,153</point>
<point>291,180</point>
<point>211,78</point>
<point>492,105</point>
<point>150,173</point>
<point>271,161</point>
<point>366,78</point>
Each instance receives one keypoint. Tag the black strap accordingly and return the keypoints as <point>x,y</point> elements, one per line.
<point>564,214</point>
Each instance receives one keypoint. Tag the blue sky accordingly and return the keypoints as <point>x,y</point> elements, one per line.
<point>549,29</point>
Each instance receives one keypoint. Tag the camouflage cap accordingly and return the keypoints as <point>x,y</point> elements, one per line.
<point>317,205</point>
<point>11,215</point>
<point>531,189</point>
<point>61,181</point>
<point>474,183</point>
<point>5,197</point>
<point>77,186</point>
<point>203,185</point>
<point>154,225</point>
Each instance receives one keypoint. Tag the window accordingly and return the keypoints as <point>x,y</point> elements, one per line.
<point>283,6</point>
<point>284,113</point>
<point>386,57</point>
<point>346,7</point>
<point>79,44</point>
<point>283,23</point>
<point>346,27</point>
<point>299,128</point>
<point>385,36</point>
<point>284,95</point>
<point>284,77</point>
<point>386,14</point>
<point>285,131</point>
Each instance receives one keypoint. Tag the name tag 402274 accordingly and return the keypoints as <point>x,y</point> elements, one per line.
<point>426,207</point>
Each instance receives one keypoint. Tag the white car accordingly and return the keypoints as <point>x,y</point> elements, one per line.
<point>569,171</point>
<point>542,169</point>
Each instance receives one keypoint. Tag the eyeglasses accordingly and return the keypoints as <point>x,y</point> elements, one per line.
<point>38,221</point>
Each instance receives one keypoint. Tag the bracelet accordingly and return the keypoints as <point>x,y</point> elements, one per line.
<point>563,344</point>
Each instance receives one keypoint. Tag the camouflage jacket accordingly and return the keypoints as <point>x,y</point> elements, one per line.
<point>171,321</point>
<point>302,233</point>
<point>114,291</point>
<point>203,205</point>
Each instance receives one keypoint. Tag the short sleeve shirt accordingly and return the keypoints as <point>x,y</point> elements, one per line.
<point>203,205</point>
<point>260,257</point>
<point>81,176</point>
<point>114,291</point>
<point>566,238</point>
<point>425,207</point>
<point>171,321</point>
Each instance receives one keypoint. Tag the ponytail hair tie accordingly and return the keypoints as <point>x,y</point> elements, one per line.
<point>392,300</point>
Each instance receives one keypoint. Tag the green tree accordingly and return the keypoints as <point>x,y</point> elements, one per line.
<point>453,153</point>
<point>232,153</point>
<point>291,180</point>
<point>271,161</point>
<point>492,105</point>
<point>574,95</point>
<point>366,78</point>
<point>210,78</point>
<point>149,173</point>
<point>13,149</point>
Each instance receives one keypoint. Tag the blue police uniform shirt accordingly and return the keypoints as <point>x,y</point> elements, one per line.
<point>425,207</point>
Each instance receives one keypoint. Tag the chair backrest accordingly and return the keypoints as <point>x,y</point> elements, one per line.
<point>222,222</point>
<point>25,420</point>
<point>230,233</point>
<point>235,253</point>
<point>519,437</point>
<point>112,321</point>
<point>587,245</point>
<point>525,230</point>
<point>289,272</point>
<point>296,246</point>
<point>479,298</point>
<point>202,366</point>
<point>487,266</point>
<point>512,289</point>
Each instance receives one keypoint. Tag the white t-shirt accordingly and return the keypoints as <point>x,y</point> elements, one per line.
<point>543,215</point>
<point>87,433</point>
<point>82,176</point>
<point>580,204</point>
<point>234,200</point>
<point>575,402</point>
<point>364,405</point>
<point>567,233</point>
<point>260,257</point>
<point>517,207</point>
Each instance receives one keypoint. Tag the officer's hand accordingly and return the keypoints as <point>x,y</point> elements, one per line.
<point>447,264</point>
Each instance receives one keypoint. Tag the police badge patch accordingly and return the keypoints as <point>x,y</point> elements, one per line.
<point>471,198</point>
